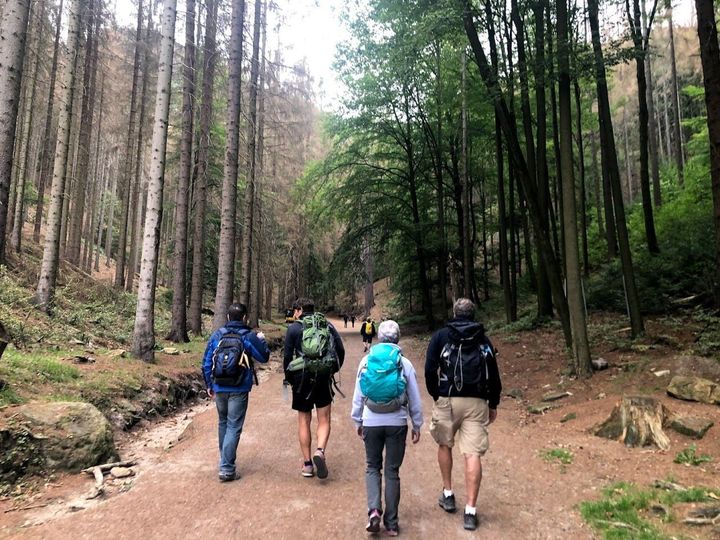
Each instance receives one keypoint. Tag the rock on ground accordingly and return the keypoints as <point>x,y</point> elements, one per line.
<point>692,426</point>
<point>694,389</point>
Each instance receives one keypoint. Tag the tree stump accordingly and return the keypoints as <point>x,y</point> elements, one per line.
<point>4,339</point>
<point>637,421</point>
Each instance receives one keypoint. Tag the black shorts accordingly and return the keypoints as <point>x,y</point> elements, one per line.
<point>367,339</point>
<point>310,392</point>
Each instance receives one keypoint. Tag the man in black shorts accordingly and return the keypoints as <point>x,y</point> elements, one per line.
<point>310,391</point>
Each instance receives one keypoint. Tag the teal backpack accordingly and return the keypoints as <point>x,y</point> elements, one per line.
<point>382,382</point>
<point>317,347</point>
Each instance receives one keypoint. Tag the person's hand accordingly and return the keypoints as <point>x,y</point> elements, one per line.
<point>261,335</point>
<point>360,432</point>
<point>210,393</point>
<point>493,415</point>
<point>415,436</point>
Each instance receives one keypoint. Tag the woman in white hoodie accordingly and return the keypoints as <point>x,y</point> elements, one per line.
<point>386,396</point>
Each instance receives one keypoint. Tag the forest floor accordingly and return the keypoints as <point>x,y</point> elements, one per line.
<point>525,494</point>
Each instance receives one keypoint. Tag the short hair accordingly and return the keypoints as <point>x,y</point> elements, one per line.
<point>463,308</point>
<point>306,304</point>
<point>389,332</point>
<point>237,312</point>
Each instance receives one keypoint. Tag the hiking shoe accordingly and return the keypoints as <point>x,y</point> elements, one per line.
<point>307,471</point>
<point>319,461</point>
<point>470,522</point>
<point>227,477</point>
<point>392,532</point>
<point>373,525</point>
<point>447,503</point>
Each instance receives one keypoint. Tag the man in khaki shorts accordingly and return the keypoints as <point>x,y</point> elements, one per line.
<point>461,375</point>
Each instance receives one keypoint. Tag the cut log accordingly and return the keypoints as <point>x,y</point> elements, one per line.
<point>636,421</point>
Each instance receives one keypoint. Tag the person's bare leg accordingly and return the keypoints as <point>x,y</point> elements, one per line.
<point>323,429</point>
<point>304,434</point>
<point>445,460</point>
<point>473,477</point>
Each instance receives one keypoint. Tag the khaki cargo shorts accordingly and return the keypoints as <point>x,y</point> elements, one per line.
<point>463,419</point>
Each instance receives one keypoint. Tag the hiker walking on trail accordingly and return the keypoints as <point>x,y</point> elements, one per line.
<point>461,375</point>
<point>229,376</point>
<point>367,331</point>
<point>386,396</point>
<point>352,320</point>
<point>345,319</point>
<point>313,354</point>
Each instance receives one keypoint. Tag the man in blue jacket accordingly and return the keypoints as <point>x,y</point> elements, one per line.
<point>232,400</point>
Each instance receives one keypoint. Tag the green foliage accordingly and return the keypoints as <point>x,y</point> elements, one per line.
<point>37,367</point>
<point>689,457</point>
<point>559,455</point>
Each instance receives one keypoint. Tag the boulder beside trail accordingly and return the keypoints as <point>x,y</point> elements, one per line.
<point>636,421</point>
<point>694,389</point>
<point>67,436</point>
<point>692,426</point>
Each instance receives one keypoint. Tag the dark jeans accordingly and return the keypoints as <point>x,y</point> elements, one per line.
<point>231,409</point>
<point>392,439</point>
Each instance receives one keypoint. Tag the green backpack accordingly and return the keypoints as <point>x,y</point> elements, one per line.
<point>317,348</point>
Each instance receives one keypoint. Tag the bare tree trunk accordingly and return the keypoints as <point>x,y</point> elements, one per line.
<point>47,154</point>
<point>13,28</point>
<point>466,245</point>
<point>675,106</point>
<point>86,123</point>
<point>200,194</point>
<point>178,329</point>
<point>710,57</point>
<point>51,252</point>
<point>610,165</point>
<point>597,185</point>
<point>144,332</point>
<point>247,231</point>
<point>583,191</point>
<point>107,171</point>
<point>98,182</point>
<point>581,347</point>
<point>653,143</point>
<point>126,180</point>
<point>111,218</point>
<point>226,247</point>
<point>18,221</point>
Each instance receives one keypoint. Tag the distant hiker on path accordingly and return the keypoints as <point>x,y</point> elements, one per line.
<point>367,331</point>
<point>314,352</point>
<point>386,396</point>
<point>229,376</point>
<point>352,320</point>
<point>461,375</point>
<point>345,319</point>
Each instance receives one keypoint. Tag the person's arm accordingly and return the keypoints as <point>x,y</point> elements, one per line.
<point>289,348</point>
<point>339,347</point>
<point>413,391</point>
<point>358,402</point>
<point>207,360</point>
<point>259,349</point>
<point>494,383</point>
<point>432,366</point>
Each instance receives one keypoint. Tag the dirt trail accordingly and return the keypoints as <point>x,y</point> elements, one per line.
<point>522,497</point>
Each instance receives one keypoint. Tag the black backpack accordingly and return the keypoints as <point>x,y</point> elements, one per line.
<point>466,363</point>
<point>230,361</point>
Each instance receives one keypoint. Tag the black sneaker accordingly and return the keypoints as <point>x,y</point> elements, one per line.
<point>227,477</point>
<point>447,503</point>
<point>320,465</point>
<point>470,522</point>
<point>373,525</point>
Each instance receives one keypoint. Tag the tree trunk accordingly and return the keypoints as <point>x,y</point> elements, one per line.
<point>144,332</point>
<point>581,347</point>
<point>610,166</point>
<point>226,247</point>
<point>653,143</point>
<point>178,328</point>
<point>466,245</point>
<point>543,238</point>
<point>47,154</point>
<point>203,153</point>
<point>13,29</point>
<point>107,171</point>
<point>675,106</point>
<point>636,421</point>
<point>248,222</point>
<point>597,186</point>
<point>51,251</point>
<point>126,181</point>
<point>644,120</point>
<point>111,218</point>
<point>28,109</point>
<point>583,191</point>
<point>710,57</point>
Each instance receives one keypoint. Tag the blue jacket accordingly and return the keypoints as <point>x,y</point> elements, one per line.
<point>257,348</point>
